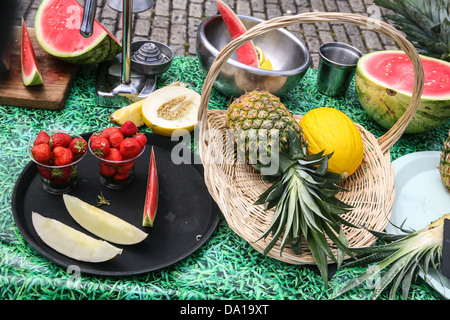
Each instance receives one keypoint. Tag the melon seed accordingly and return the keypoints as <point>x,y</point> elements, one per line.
<point>174,108</point>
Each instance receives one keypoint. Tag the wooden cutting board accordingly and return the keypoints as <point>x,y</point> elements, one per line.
<point>58,76</point>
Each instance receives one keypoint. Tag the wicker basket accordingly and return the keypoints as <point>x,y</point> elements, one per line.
<point>235,186</point>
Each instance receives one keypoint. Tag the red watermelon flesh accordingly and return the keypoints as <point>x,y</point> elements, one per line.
<point>152,193</point>
<point>395,71</point>
<point>31,75</point>
<point>246,53</point>
<point>57,25</point>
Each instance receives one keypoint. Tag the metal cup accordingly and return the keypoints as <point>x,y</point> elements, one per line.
<point>336,68</point>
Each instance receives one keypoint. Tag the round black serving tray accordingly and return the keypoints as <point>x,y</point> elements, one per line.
<point>186,216</point>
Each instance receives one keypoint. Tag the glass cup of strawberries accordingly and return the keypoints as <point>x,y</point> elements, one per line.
<point>57,154</point>
<point>116,149</point>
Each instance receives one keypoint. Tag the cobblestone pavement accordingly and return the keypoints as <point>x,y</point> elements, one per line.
<point>175,22</point>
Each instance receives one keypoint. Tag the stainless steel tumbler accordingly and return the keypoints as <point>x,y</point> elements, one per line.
<point>336,68</point>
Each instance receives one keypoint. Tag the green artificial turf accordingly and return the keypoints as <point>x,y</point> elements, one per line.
<point>226,267</point>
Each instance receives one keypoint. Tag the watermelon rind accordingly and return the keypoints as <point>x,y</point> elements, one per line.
<point>386,105</point>
<point>28,60</point>
<point>104,48</point>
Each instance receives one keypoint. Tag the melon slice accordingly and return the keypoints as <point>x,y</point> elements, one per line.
<point>57,27</point>
<point>103,224</point>
<point>71,242</point>
<point>152,194</point>
<point>384,84</point>
<point>31,75</point>
<point>246,53</point>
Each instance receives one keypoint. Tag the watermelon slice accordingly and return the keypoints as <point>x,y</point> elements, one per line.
<point>384,84</point>
<point>151,197</point>
<point>246,53</point>
<point>57,27</point>
<point>31,76</point>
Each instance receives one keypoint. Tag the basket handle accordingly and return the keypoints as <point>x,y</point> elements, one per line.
<point>392,135</point>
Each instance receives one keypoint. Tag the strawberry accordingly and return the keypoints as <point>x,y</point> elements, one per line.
<point>63,175</point>
<point>78,146</point>
<point>125,167</point>
<point>46,173</point>
<point>62,156</point>
<point>107,132</point>
<point>60,139</point>
<point>42,137</point>
<point>115,139</point>
<point>121,176</point>
<point>106,170</point>
<point>141,138</point>
<point>128,128</point>
<point>114,155</point>
<point>42,153</point>
<point>130,148</point>
<point>100,146</point>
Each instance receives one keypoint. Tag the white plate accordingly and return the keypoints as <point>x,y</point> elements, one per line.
<point>420,198</point>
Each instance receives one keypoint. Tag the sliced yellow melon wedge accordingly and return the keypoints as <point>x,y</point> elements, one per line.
<point>103,224</point>
<point>171,110</point>
<point>71,242</point>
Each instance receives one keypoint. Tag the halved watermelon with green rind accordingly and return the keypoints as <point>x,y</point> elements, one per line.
<point>57,28</point>
<point>247,52</point>
<point>31,75</point>
<point>384,84</point>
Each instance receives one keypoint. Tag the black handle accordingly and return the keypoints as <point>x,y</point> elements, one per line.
<point>87,24</point>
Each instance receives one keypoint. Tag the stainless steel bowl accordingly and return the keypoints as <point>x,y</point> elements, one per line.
<point>289,56</point>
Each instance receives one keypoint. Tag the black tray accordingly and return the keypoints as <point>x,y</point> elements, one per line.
<point>186,217</point>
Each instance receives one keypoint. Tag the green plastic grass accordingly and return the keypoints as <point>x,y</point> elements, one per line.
<point>226,267</point>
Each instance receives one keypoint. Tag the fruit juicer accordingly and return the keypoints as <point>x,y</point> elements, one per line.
<point>133,73</point>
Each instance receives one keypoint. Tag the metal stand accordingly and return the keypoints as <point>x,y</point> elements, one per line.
<point>127,76</point>
<point>115,79</point>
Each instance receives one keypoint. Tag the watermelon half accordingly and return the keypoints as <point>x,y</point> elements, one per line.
<point>384,83</point>
<point>31,76</point>
<point>57,28</point>
<point>247,52</point>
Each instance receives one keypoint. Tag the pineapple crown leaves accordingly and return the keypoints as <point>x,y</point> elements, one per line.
<point>303,195</point>
<point>426,24</point>
<point>401,255</point>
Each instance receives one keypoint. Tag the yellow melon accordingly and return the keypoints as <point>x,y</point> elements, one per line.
<point>332,130</point>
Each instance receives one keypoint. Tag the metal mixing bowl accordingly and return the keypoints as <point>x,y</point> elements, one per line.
<point>289,56</point>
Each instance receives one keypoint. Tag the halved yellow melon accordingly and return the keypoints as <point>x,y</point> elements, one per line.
<point>171,110</point>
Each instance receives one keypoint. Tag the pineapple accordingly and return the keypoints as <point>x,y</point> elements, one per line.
<point>302,190</point>
<point>397,261</point>
<point>260,110</point>
<point>426,24</point>
<point>444,165</point>
<point>131,112</point>
<point>255,116</point>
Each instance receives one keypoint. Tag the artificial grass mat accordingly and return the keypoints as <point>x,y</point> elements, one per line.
<point>226,267</point>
